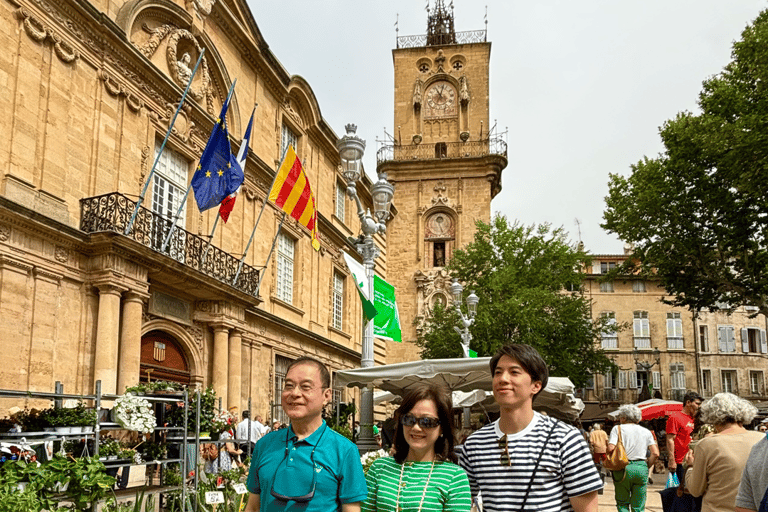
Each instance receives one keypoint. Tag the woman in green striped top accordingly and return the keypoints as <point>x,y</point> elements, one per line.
<point>422,475</point>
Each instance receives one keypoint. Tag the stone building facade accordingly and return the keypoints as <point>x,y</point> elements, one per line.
<point>90,90</point>
<point>668,347</point>
<point>445,165</point>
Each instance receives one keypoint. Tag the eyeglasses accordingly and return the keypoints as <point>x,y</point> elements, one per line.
<point>505,460</point>
<point>311,494</point>
<point>305,388</point>
<point>410,420</point>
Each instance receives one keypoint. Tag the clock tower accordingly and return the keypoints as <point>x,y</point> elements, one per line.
<point>445,164</point>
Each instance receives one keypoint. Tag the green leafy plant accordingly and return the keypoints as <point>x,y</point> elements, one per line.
<point>207,412</point>
<point>131,506</point>
<point>151,450</point>
<point>158,386</point>
<point>126,453</point>
<point>342,425</point>
<point>108,447</point>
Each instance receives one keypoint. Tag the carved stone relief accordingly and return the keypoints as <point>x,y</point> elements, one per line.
<point>5,233</point>
<point>433,287</point>
<point>61,254</point>
<point>439,199</point>
<point>115,88</point>
<point>39,32</point>
<point>439,226</point>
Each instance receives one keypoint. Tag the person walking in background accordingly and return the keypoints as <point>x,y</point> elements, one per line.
<point>249,430</point>
<point>307,466</point>
<point>598,440</point>
<point>630,483</point>
<point>717,462</point>
<point>422,474</point>
<point>524,460</point>
<point>679,428</point>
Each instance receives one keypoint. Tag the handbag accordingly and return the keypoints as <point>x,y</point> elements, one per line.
<point>617,460</point>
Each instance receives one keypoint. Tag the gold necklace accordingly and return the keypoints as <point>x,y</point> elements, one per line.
<point>400,487</point>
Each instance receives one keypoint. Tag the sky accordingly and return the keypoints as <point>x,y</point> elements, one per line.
<point>581,87</point>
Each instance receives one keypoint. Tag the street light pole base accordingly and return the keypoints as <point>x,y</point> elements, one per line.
<point>367,445</point>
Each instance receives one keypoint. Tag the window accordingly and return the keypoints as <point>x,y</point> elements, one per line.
<point>729,381</point>
<point>281,369</point>
<point>725,338</point>
<point>289,138</point>
<point>756,383</point>
<point>610,393</point>
<point>168,187</point>
<point>610,339</point>
<point>607,266</point>
<point>341,197</point>
<point>439,233</point>
<point>590,382</point>
<point>638,286</point>
<point>703,338</point>
<point>438,254</point>
<point>750,340</point>
<point>285,252</point>
<point>706,382</point>
<point>656,381</point>
<point>606,287</point>
<point>677,378</point>
<point>674,331</point>
<point>642,329</point>
<point>338,300</point>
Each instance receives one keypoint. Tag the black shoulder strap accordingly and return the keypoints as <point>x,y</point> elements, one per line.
<point>538,460</point>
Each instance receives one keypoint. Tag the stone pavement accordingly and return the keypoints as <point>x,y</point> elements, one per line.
<point>607,502</point>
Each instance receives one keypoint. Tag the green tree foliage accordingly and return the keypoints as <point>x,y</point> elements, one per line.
<point>521,274</point>
<point>697,214</point>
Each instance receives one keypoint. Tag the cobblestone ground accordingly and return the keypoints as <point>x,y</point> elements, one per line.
<point>607,502</point>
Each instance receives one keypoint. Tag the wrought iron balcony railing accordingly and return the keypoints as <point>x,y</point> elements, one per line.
<point>439,150</point>
<point>472,36</point>
<point>112,212</point>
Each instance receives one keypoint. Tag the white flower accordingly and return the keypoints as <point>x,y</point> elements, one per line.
<point>134,413</point>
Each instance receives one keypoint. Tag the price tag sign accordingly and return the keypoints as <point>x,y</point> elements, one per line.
<point>214,497</point>
<point>239,488</point>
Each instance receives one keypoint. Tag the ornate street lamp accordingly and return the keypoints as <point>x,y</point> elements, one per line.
<point>466,320</point>
<point>351,149</point>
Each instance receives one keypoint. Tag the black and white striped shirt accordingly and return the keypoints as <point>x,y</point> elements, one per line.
<point>566,468</point>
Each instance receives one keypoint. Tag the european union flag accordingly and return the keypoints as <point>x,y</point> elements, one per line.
<point>219,174</point>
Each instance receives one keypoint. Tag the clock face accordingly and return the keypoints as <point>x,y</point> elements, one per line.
<point>440,100</point>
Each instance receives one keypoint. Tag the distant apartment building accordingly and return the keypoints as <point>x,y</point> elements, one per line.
<point>666,350</point>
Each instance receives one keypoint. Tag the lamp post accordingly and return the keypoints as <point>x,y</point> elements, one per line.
<point>351,149</point>
<point>468,319</point>
<point>645,366</point>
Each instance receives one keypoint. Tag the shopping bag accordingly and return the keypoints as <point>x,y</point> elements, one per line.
<point>617,460</point>
<point>672,480</point>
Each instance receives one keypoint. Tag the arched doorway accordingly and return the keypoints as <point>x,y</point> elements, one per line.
<point>163,359</point>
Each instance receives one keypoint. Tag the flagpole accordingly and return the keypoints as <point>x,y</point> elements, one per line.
<point>167,135</point>
<point>218,215</point>
<point>183,201</point>
<point>274,240</point>
<point>253,232</point>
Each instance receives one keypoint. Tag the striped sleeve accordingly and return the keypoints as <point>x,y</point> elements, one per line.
<point>579,472</point>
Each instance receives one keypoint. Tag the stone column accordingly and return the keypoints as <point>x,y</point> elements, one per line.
<point>130,341</point>
<point>219,379</point>
<point>107,332</point>
<point>235,371</point>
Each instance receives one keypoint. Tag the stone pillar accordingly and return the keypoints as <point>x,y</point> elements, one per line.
<point>235,371</point>
<point>107,332</point>
<point>130,341</point>
<point>219,379</point>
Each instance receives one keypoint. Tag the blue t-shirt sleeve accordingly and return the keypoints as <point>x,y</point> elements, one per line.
<point>352,487</point>
<point>253,472</point>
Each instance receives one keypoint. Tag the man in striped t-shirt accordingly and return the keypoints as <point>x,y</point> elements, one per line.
<point>524,460</point>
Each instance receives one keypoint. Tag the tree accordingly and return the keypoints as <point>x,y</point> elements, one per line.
<point>521,275</point>
<point>697,215</point>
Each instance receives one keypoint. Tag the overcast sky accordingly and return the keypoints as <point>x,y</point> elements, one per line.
<point>582,85</point>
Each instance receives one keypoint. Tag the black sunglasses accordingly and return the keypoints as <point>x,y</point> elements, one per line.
<point>311,494</point>
<point>410,420</point>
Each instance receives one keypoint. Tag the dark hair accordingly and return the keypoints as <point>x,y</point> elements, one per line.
<point>325,375</point>
<point>691,396</point>
<point>246,415</point>
<point>442,400</point>
<point>527,357</point>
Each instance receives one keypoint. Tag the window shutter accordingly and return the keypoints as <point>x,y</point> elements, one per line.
<point>596,268</point>
<point>670,327</point>
<point>721,338</point>
<point>607,380</point>
<point>633,384</point>
<point>763,342</point>
<point>745,340</point>
<point>622,380</point>
<point>656,381</point>
<point>731,342</point>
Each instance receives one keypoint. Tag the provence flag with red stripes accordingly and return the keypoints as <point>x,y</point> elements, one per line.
<point>292,194</point>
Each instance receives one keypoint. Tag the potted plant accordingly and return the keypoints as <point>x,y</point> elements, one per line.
<point>82,417</point>
<point>108,448</point>
<point>207,412</point>
<point>134,413</point>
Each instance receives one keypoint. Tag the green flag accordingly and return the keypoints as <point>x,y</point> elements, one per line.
<point>361,283</point>
<point>386,325</point>
<point>472,353</point>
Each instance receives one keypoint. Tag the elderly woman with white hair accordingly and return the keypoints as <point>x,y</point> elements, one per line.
<point>630,484</point>
<point>716,463</point>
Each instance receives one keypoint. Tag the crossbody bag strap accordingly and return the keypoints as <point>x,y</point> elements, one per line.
<point>538,460</point>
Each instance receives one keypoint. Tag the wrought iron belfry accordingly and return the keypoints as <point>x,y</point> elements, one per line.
<point>440,29</point>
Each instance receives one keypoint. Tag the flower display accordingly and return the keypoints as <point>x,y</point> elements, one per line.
<point>134,413</point>
<point>223,422</point>
<point>368,457</point>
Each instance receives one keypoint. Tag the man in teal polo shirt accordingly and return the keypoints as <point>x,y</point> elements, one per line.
<point>307,466</point>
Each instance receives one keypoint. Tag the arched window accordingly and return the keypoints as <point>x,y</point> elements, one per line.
<point>163,358</point>
<point>439,235</point>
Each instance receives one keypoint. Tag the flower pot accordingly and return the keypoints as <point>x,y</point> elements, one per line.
<point>88,429</point>
<point>63,430</point>
<point>76,429</point>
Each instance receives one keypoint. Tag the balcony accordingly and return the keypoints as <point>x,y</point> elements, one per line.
<point>112,213</point>
<point>420,41</point>
<point>442,150</point>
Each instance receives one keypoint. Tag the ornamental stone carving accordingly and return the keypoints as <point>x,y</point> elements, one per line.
<point>5,233</point>
<point>37,30</point>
